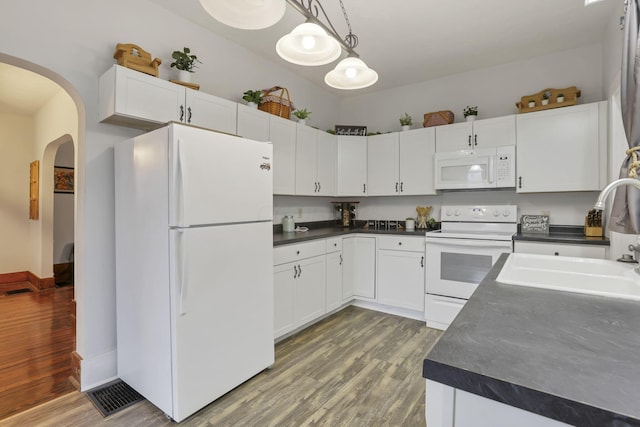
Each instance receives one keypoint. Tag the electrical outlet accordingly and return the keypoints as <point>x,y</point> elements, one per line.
<point>299,212</point>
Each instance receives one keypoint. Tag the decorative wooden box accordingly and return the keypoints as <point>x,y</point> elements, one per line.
<point>571,95</point>
<point>134,57</point>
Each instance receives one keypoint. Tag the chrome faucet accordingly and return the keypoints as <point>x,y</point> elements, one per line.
<point>602,198</point>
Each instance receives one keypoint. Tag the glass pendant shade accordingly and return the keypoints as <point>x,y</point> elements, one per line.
<point>351,73</point>
<point>246,14</point>
<point>308,44</point>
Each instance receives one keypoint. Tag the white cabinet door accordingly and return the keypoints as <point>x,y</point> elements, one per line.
<point>306,161</point>
<point>560,249</point>
<point>252,123</point>
<point>352,166</point>
<point>282,134</point>
<point>495,132</point>
<point>326,163</point>
<point>334,280</point>
<point>309,290</point>
<point>416,161</point>
<point>131,98</point>
<point>359,267</point>
<point>453,137</point>
<point>401,279</point>
<point>283,283</point>
<point>383,164</point>
<point>209,111</point>
<point>562,149</point>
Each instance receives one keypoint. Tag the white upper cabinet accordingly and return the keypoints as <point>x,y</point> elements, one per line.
<point>282,133</point>
<point>383,168</point>
<point>352,166</point>
<point>416,161</point>
<point>211,112</point>
<point>495,132</point>
<point>315,162</point>
<point>134,99</point>
<point>253,123</point>
<point>563,149</point>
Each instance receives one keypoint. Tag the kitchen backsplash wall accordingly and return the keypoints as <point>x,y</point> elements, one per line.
<point>563,208</point>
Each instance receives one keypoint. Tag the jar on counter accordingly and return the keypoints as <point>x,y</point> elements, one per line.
<point>288,224</point>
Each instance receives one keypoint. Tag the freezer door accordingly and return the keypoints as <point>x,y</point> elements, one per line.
<point>217,178</point>
<point>223,310</point>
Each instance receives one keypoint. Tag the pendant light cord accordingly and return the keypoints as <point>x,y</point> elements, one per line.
<point>351,39</point>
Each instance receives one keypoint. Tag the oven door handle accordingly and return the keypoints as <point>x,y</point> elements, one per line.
<point>462,243</point>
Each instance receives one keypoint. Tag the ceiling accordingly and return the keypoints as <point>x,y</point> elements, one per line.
<point>410,41</point>
<point>24,92</point>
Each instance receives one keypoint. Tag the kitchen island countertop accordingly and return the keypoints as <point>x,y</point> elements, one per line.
<point>567,356</point>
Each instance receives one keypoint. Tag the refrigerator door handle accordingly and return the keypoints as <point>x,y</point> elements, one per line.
<point>179,184</point>
<point>184,271</point>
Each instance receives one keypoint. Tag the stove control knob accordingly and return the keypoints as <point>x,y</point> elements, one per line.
<point>496,213</point>
<point>506,213</point>
<point>457,212</point>
<point>449,212</point>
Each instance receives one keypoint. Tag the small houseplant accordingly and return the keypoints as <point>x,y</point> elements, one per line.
<point>302,115</point>
<point>532,103</point>
<point>184,62</point>
<point>406,121</point>
<point>545,98</point>
<point>560,97</point>
<point>253,97</point>
<point>470,113</point>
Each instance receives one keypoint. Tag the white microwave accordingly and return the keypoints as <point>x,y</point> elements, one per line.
<point>480,168</point>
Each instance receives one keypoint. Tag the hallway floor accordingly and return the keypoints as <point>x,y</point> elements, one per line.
<point>37,337</point>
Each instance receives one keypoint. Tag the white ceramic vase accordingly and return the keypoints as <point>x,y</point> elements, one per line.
<point>302,121</point>
<point>532,104</point>
<point>252,105</point>
<point>545,101</point>
<point>184,76</point>
<point>471,117</point>
<point>560,99</point>
<point>405,128</point>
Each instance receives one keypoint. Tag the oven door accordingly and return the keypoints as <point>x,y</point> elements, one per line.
<point>455,267</point>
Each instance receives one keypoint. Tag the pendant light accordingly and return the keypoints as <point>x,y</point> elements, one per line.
<point>351,73</point>
<point>246,14</point>
<point>308,44</point>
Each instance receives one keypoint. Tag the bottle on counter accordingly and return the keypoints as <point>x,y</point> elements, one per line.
<point>288,224</point>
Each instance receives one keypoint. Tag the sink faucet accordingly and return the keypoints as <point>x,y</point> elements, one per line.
<point>602,198</point>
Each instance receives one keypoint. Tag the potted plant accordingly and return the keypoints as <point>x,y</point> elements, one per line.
<point>532,103</point>
<point>406,121</point>
<point>560,97</point>
<point>253,98</point>
<point>302,115</point>
<point>184,62</point>
<point>545,98</point>
<point>470,113</point>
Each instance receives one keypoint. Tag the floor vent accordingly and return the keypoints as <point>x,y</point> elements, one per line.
<point>18,291</point>
<point>113,397</point>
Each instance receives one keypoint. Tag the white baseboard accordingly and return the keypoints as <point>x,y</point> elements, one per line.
<point>403,312</point>
<point>98,370</point>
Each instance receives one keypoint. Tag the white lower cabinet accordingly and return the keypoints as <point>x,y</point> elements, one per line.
<point>359,267</point>
<point>283,283</point>
<point>560,249</point>
<point>309,290</point>
<point>401,272</point>
<point>334,273</point>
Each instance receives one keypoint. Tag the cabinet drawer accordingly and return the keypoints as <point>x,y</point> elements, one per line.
<point>334,244</point>
<point>440,311</point>
<point>577,250</point>
<point>297,251</point>
<point>401,243</point>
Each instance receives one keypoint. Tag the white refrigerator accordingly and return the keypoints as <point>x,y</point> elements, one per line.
<point>194,264</point>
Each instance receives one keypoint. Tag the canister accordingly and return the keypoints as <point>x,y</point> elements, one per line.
<point>288,224</point>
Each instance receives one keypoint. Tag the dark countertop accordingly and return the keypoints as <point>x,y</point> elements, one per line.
<point>563,234</point>
<point>571,357</point>
<point>327,229</point>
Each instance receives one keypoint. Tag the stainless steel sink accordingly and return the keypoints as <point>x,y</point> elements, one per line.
<point>582,275</point>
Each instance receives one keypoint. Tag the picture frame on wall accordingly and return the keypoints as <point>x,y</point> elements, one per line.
<point>63,179</point>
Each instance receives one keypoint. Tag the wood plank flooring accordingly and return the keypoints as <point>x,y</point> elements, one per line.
<point>37,336</point>
<point>356,368</point>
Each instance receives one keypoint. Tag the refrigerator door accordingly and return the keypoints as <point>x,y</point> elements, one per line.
<point>217,178</point>
<point>222,300</point>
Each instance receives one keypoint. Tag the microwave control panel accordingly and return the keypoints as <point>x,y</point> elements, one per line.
<point>505,166</point>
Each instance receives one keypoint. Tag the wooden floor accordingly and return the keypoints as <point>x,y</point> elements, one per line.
<point>37,336</point>
<point>355,368</point>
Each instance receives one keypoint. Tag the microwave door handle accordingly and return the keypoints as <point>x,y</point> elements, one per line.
<point>491,176</point>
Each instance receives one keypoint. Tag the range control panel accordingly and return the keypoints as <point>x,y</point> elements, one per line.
<point>496,213</point>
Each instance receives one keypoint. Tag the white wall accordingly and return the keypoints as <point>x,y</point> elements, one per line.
<point>63,210</point>
<point>76,39</point>
<point>494,90</point>
<point>16,152</point>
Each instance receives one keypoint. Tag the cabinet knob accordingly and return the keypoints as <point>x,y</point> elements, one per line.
<point>335,244</point>
<point>297,252</point>
<point>556,253</point>
<point>399,243</point>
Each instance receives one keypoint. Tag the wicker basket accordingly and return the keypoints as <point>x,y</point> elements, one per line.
<point>438,118</point>
<point>277,104</point>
